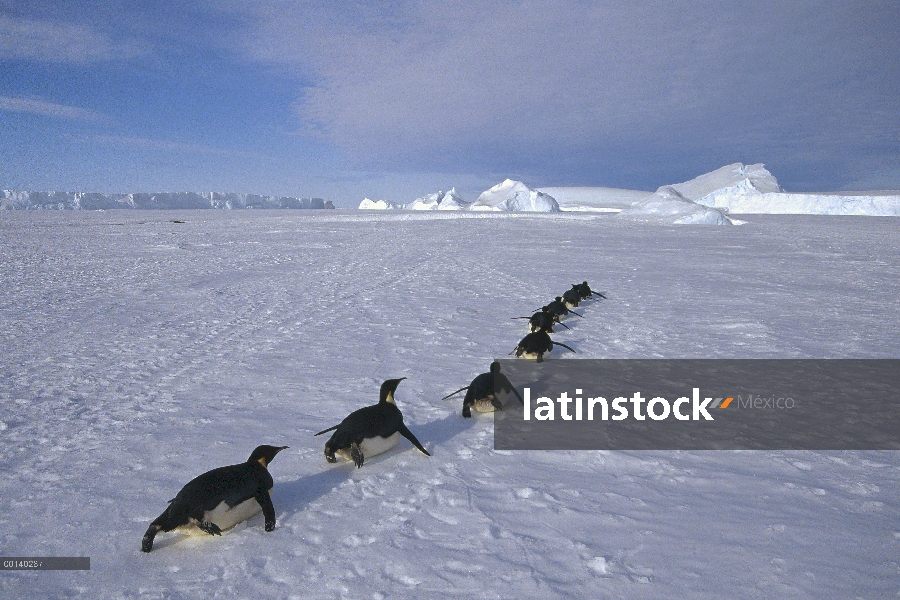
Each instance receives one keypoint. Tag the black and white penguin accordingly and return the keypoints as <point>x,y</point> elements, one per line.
<point>487,392</point>
<point>572,298</point>
<point>535,345</point>
<point>558,310</point>
<point>585,290</point>
<point>220,499</point>
<point>371,430</point>
<point>541,321</point>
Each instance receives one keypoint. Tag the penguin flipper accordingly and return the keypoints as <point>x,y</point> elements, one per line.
<point>357,455</point>
<point>265,501</point>
<point>327,430</point>
<point>564,346</point>
<point>507,385</point>
<point>409,435</point>
<point>576,314</point>
<point>454,393</point>
<point>147,541</point>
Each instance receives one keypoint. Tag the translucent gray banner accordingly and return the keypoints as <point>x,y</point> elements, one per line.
<point>701,405</point>
<point>45,563</point>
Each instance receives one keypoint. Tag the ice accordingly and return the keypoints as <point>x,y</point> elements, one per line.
<point>142,348</point>
<point>515,196</point>
<point>368,204</point>
<point>167,201</point>
<point>450,200</point>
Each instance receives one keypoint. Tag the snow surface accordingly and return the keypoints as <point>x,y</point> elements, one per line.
<point>139,352</point>
<point>11,200</point>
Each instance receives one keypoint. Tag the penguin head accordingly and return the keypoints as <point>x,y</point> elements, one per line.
<point>264,454</point>
<point>495,367</point>
<point>387,390</point>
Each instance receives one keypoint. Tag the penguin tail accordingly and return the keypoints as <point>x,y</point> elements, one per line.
<point>326,430</point>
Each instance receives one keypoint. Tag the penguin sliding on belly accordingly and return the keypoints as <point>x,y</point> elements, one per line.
<point>558,310</point>
<point>572,298</point>
<point>487,392</point>
<point>535,345</point>
<point>371,430</point>
<point>220,499</point>
<point>541,321</point>
<point>585,291</point>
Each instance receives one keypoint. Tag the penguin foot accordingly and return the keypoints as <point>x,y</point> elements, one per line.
<point>357,455</point>
<point>209,527</point>
<point>496,403</point>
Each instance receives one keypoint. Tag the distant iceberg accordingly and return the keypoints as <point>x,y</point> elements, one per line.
<point>368,204</point>
<point>515,196</point>
<point>668,206</point>
<point>450,200</point>
<point>21,200</point>
<point>751,189</point>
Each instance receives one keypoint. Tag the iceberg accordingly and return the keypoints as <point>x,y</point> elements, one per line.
<point>23,200</point>
<point>515,196</point>
<point>450,200</point>
<point>667,206</point>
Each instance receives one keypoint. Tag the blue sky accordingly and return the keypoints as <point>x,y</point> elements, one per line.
<point>398,99</point>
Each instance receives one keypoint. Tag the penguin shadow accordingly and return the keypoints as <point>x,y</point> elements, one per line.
<point>293,496</point>
<point>438,433</point>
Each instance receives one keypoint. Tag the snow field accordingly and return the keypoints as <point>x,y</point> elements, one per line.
<point>139,353</point>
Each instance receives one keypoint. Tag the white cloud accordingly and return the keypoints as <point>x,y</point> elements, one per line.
<point>49,109</point>
<point>423,81</point>
<point>58,42</point>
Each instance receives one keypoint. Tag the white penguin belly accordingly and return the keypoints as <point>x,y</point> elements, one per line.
<point>225,516</point>
<point>484,405</point>
<point>531,355</point>
<point>373,446</point>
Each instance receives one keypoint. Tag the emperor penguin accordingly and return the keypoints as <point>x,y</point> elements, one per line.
<point>585,290</point>
<point>541,321</point>
<point>220,499</point>
<point>371,430</point>
<point>487,392</point>
<point>535,345</point>
<point>572,298</point>
<point>558,310</point>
